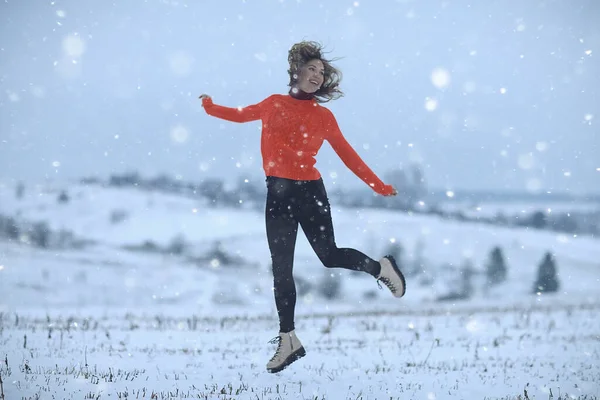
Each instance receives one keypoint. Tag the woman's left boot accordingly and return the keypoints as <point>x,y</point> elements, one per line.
<point>289,349</point>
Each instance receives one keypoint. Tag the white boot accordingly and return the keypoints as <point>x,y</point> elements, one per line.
<point>391,276</point>
<point>289,349</point>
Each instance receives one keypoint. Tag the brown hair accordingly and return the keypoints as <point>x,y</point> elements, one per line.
<point>300,54</point>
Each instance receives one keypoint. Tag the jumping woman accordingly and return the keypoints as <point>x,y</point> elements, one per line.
<point>294,127</point>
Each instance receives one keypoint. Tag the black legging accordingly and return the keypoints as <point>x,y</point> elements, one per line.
<point>290,202</point>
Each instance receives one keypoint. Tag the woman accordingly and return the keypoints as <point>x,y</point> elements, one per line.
<point>294,127</point>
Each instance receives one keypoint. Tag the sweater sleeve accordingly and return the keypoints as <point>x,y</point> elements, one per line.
<point>238,114</point>
<point>351,158</point>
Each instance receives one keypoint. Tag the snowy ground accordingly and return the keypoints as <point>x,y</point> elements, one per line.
<point>450,353</point>
<point>103,322</point>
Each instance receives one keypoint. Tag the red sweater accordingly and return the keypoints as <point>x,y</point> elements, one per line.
<point>293,131</point>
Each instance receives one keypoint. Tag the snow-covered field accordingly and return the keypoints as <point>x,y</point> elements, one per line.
<point>105,322</point>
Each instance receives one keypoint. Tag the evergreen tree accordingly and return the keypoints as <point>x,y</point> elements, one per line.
<point>538,220</point>
<point>40,235</point>
<point>496,270</point>
<point>466,285</point>
<point>331,284</point>
<point>397,251</point>
<point>177,246</point>
<point>20,190</point>
<point>12,228</point>
<point>418,264</point>
<point>547,280</point>
<point>63,197</point>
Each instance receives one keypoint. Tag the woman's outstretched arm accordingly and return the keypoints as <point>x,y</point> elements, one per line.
<point>237,114</point>
<point>351,158</point>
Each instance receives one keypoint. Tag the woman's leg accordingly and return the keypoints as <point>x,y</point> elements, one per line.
<point>282,229</point>
<point>315,219</point>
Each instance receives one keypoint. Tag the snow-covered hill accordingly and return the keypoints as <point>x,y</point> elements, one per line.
<point>118,220</point>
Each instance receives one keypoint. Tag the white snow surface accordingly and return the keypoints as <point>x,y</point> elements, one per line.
<point>107,322</point>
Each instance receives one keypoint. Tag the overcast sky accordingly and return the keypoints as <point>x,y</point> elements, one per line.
<point>483,94</point>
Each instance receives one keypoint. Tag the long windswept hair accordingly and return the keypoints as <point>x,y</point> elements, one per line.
<point>300,54</point>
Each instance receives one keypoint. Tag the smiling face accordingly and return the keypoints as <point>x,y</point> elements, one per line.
<point>311,76</point>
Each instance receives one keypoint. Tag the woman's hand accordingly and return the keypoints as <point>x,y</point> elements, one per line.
<point>393,191</point>
<point>204,96</point>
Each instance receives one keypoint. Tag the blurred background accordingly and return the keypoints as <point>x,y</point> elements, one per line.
<point>482,114</point>
<point>494,95</point>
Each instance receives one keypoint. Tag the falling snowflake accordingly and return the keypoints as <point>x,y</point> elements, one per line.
<point>261,57</point>
<point>179,134</point>
<point>440,78</point>
<point>526,161</point>
<point>181,63</point>
<point>533,185</point>
<point>469,87</point>
<point>520,25</point>
<point>473,326</point>
<point>541,146</point>
<point>430,104</point>
<point>13,97</point>
<point>73,45</point>
<point>38,92</point>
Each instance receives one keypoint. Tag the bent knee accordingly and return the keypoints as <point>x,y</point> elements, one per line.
<point>330,259</point>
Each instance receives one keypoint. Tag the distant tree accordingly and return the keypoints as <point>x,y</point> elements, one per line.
<point>460,285</point>
<point>63,197</point>
<point>460,216</point>
<point>64,239</point>
<point>127,179</point>
<point>246,190</point>
<point>331,284</point>
<point>565,223</point>
<point>40,235</point>
<point>538,220</point>
<point>436,210</point>
<point>163,183</point>
<point>418,184</point>
<point>397,251</point>
<point>91,180</point>
<point>397,177</point>
<point>149,246</point>
<point>547,279</point>
<point>496,270</point>
<point>213,190</point>
<point>11,228</point>
<point>467,271</point>
<point>177,246</point>
<point>303,285</point>
<point>218,254</point>
<point>20,190</point>
<point>500,218</point>
<point>118,216</point>
<point>418,264</point>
